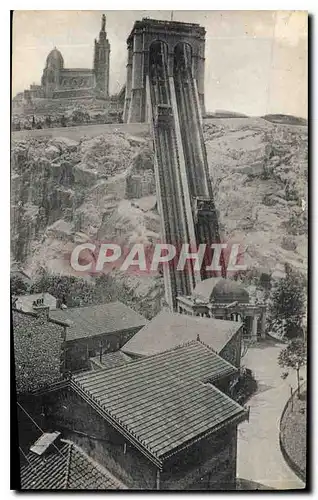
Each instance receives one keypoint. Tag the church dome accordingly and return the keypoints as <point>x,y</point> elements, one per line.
<point>55,58</point>
<point>221,291</point>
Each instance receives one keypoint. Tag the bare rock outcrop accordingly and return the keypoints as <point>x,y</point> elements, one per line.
<point>64,192</point>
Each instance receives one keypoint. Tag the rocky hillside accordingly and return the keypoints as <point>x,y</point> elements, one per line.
<point>259,173</point>
<point>66,192</point>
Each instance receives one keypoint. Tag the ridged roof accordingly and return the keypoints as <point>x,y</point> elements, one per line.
<point>221,290</point>
<point>162,402</point>
<point>68,468</point>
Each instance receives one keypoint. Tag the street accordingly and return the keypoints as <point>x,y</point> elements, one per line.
<point>259,455</point>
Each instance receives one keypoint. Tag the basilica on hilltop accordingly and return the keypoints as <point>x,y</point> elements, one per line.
<point>60,82</point>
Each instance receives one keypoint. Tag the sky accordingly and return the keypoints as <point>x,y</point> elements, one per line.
<point>256,61</point>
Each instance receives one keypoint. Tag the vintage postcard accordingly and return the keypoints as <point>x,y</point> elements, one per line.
<point>159,250</point>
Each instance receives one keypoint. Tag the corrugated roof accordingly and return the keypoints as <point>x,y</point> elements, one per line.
<point>70,468</point>
<point>169,329</point>
<point>161,401</point>
<point>89,321</point>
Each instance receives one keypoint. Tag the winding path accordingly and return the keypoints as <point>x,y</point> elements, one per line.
<point>259,456</point>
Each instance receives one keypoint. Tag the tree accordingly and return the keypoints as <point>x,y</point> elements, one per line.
<point>287,304</point>
<point>293,356</point>
<point>18,286</point>
<point>74,291</point>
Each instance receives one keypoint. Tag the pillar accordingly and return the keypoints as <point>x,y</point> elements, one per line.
<point>158,480</point>
<point>201,75</point>
<point>254,328</point>
<point>107,62</point>
<point>128,83</point>
<point>170,62</point>
<point>136,109</point>
<point>263,325</point>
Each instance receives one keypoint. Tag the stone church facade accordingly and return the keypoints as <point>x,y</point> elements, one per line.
<point>60,82</point>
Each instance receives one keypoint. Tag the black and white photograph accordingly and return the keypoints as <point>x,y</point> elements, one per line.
<point>158,256</point>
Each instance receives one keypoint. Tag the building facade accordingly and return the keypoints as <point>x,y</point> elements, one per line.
<point>95,330</point>
<point>226,299</point>
<point>77,334</point>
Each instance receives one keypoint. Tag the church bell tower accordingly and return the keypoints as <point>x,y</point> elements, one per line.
<point>101,61</point>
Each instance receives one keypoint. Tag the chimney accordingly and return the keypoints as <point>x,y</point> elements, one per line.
<point>198,337</point>
<point>41,309</point>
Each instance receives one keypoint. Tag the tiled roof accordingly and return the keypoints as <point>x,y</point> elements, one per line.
<point>85,474</point>
<point>40,474</point>
<point>89,321</point>
<point>111,359</point>
<point>169,329</point>
<point>70,468</point>
<point>161,402</point>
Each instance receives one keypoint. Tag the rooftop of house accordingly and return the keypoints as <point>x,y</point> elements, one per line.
<point>164,403</point>
<point>99,319</point>
<point>169,329</point>
<point>25,303</point>
<point>66,468</point>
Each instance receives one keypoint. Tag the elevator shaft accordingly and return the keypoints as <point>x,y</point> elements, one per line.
<point>184,191</point>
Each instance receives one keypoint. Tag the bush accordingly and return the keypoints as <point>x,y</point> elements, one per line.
<point>245,386</point>
<point>73,291</point>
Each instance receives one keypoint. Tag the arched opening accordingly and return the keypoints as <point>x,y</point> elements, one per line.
<point>182,57</point>
<point>158,57</point>
<point>158,61</point>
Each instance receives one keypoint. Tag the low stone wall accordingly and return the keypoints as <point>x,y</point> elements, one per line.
<point>299,471</point>
<point>77,132</point>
